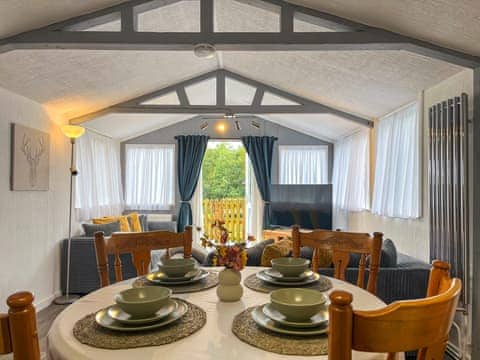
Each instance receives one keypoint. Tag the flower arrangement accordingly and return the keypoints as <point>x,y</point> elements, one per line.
<point>232,257</point>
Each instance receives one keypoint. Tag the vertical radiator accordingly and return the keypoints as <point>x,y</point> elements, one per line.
<point>448,181</point>
<point>449,207</point>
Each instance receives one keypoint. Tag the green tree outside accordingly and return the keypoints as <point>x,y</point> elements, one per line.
<point>223,172</point>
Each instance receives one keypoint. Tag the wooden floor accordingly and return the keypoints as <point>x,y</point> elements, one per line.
<point>44,321</point>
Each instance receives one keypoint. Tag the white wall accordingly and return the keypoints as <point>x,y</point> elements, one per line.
<point>412,236</point>
<point>32,223</point>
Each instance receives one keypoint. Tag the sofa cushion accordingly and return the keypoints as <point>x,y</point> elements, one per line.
<point>280,248</point>
<point>108,228</point>
<point>254,254</point>
<point>124,225</point>
<point>143,222</point>
<point>134,222</point>
<point>162,225</point>
<point>389,254</point>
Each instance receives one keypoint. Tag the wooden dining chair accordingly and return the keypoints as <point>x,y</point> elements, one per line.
<point>139,245</point>
<point>18,328</point>
<point>342,244</point>
<point>406,325</point>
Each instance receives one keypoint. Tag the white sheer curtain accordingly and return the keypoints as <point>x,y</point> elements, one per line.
<point>197,210</point>
<point>303,165</point>
<point>397,167</point>
<point>98,184</point>
<point>350,177</point>
<point>149,176</point>
<point>254,203</point>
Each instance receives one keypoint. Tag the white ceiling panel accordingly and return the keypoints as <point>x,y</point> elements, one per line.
<point>126,126</point>
<point>323,126</point>
<point>76,82</point>
<point>368,83</point>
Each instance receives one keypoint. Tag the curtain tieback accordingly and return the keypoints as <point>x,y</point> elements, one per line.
<point>267,202</point>
<point>184,202</point>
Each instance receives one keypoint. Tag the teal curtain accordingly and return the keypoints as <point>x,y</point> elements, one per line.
<point>260,152</point>
<point>190,152</point>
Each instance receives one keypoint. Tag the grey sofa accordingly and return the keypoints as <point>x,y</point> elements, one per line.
<point>406,279</point>
<point>83,264</point>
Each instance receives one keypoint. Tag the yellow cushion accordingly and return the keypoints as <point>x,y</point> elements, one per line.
<point>273,251</point>
<point>136,226</point>
<point>124,225</point>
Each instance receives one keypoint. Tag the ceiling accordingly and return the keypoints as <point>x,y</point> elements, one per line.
<point>71,83</point>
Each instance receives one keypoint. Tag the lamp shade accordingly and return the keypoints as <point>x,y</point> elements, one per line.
<point>72,131</point>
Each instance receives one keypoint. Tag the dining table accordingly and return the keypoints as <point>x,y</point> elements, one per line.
<point>214,341</point>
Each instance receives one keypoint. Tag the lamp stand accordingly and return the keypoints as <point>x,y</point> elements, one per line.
<point>67,298</point>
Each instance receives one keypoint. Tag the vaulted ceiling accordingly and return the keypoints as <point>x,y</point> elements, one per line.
<point>72,83</point>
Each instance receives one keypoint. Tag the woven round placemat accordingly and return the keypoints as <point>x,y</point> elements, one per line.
<point>209,282</point>
<point>245,328</point>
<point>88,332</point>
<point>254,283</point>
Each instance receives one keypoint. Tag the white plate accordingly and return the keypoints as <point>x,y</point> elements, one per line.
<point>152,277</point>
<point>104,320</point>
<point>115,312</point>
<point>264,321</point>
<point>262,275</point>
<point>278,276</point>
<point>315,321</point>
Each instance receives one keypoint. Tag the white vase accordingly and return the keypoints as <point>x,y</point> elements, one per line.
<point>229,288</point>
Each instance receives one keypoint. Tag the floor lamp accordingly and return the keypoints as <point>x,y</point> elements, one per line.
<point>72,132</point>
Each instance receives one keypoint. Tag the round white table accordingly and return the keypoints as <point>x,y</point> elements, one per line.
<point>215,341</point>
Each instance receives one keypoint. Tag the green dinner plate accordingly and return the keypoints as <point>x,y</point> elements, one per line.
<point>278,276</point>
<point>115,312</point>
<point>104,320</point>
<point>160,275</point>
<point>265,322</point>
<point>262,275</point>
<point>154,278</point>
<point>315,321</point>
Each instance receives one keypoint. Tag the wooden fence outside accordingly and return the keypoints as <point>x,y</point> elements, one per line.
<point>231,211</point>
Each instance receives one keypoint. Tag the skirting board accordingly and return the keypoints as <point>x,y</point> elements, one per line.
<point>44,303</point>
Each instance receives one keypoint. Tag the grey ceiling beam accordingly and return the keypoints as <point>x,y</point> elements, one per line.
<point>355,37</point>
<point>301,105</point>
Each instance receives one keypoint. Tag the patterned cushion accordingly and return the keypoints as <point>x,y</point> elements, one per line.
<point>279,249</point>
<point>254,254</point>
<point>108,228</point>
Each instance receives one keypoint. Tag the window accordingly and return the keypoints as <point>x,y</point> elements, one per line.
<point>397,170</point>
<point>149,176</point>
<point>350,177</point>
<point>303,165</point>
<point>99,185</point>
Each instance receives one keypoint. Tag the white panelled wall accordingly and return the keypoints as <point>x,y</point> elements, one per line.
<point>32,223</point>
<point>412,236</point>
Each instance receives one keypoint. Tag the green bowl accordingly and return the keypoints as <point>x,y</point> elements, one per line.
<point>143,302</point>
<point>290,266</point>
<point>296,304</point>
<point>177,267</point>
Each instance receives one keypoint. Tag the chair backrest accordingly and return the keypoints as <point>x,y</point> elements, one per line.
<point>342,244</point>
<point>139,245</point>
<point>401,326</point>
<point>18,328</point>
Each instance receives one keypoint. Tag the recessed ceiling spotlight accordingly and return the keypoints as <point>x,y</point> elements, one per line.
<point>221,127</point>
<point>204,51</point>
<point>204,126</point>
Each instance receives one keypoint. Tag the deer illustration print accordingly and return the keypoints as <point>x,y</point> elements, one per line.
<point>33,153</point>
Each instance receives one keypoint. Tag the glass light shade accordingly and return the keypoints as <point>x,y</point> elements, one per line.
<point>72,131</point>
